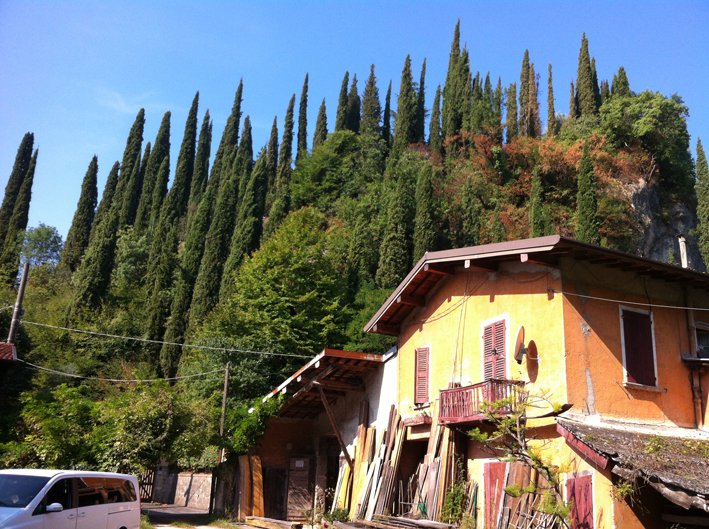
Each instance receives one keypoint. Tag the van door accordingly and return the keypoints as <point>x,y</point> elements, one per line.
<point>92,512</point>
<point>61,492</point>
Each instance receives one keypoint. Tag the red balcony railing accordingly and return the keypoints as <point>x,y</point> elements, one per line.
<point>462,405</point>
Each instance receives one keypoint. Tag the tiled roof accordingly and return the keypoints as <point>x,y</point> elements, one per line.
<point>7,351</point>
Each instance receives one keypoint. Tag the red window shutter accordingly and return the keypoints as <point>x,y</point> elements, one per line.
<point>637,338</point>
<point>580,493</point>
<point>494,350</point>
<point>421,380</point>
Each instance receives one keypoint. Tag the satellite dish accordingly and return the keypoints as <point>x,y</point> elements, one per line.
<point>520,350</point>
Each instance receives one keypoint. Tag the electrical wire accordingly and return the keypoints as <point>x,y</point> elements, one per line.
<point>625,302</point>
<point>5,308</point>
<point>159,342</point>
<point>73,375</point>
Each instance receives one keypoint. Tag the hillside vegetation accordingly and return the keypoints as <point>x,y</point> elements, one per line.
<point>261,256</point>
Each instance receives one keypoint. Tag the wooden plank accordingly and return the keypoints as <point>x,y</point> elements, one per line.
<point>257,485</point>
<point>270,523</point>
<point>245,487</point>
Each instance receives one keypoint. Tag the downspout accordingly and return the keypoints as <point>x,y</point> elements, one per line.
<point>695,381</point>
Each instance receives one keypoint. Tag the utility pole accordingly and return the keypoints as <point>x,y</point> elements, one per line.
<point>222,452</point>
<point>17,312</point>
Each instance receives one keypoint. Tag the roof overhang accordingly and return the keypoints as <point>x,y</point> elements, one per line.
<point>333,371</point>
<point>434,267</point>
<point>671,460</point>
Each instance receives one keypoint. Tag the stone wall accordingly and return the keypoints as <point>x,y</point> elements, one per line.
<point>186,489</point>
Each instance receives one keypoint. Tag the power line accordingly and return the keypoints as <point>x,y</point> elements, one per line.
<point>159,342</point>
<point>73,375</point>
<point>625,302</point>
<point>5,308</point>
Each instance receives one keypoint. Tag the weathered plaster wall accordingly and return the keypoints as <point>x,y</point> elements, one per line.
<point>451,325</point>
<point>595,372</point>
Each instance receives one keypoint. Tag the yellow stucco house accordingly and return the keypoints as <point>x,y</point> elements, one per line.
<point>618,339</point>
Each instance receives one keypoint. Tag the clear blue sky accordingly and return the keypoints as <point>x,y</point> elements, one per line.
<point>76,72</point>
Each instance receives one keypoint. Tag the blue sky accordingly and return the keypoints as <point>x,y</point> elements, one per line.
<point>76,72</point>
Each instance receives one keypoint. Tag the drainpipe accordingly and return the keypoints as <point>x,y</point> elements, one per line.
<point>695,380</point>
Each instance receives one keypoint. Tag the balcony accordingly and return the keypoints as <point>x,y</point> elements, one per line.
<point>465,405</point>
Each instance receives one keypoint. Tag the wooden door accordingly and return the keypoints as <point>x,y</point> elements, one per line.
<point>579,491</point>
<point>274,492</point>
<point>300,488</point>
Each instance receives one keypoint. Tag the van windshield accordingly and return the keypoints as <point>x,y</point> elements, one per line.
<point>18,491</point>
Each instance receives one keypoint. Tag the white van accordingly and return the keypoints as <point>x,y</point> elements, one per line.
<point>68,499</point>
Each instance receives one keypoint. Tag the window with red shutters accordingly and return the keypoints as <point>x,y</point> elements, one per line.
<point>638,349</point>
<point>579,491</point>
<point>421,380</point>
<point>494,350</point>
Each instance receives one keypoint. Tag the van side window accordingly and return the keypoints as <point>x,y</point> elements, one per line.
<point>61,492</point>
<point>90,492</point>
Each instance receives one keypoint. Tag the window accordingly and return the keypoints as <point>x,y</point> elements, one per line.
<point>494,350</point>
<point>702,340</point>
<point>421,380</point>
<point>638,347</point>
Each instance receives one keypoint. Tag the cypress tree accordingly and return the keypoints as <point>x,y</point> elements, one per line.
<point>353,107</point>
<point>595,84</point>
<point>702,190</point>
<point>538,217</point>
<point>497,231</point>
<point>160,151</point>
<point>159,193</point>
<point>281,197</point>
<point>470,214</point>
<point>405,130</point>
<point>272,163</point>
<point>247,232</point>
<point>421,105</point>
<point>386,118</point>
<point>585,93</point>
<point>23,159</point>
<point>341,116</point>
<point>524,113</point>
<point>10,257</point>
<point>533,122</point>
<point>320,127</point>
<point>424,221</point>
<point>605,91</point>
<point>450,114</point>
<point>185,277</point>
<point>478,107</point>
<point>201,166</point>
<point>395,251</point>
<point>371,107</point>
<point>216,248</point>
<point>131,157</point>
<point>131,195</point>
<point>551,114</point>
<point>302,149</point>
<point>573,103</point>
<point>245,157</point>
<point>109,190</point>
<point>621,85</point>
<point>496,118</point>
<point>587,221</point>
<point>162,257</point>
<point>435,141</point>
<point>511,113</point>
<point>78,237</point>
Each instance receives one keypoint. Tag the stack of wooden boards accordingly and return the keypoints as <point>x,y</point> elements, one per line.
<point>524,511</point>
<point>373,487</point>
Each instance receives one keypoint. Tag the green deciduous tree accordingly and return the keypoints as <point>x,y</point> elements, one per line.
<point>42,246</point>
<point>78,237</point>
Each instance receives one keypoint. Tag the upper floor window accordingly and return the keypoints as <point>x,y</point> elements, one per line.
<point>494,350</point>
<point>421,379</point>
<point>702,340</point>
<point>638,347</point>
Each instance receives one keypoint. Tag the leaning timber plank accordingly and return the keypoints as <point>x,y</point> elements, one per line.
<point>341,525</point>
<point>257,485</point>
<point>429,524</point>
<point>270,523</point>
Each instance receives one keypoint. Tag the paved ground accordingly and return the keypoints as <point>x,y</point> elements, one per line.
<point>161,516</point>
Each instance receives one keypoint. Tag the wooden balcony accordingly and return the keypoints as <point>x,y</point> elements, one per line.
<point>465,404</point>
